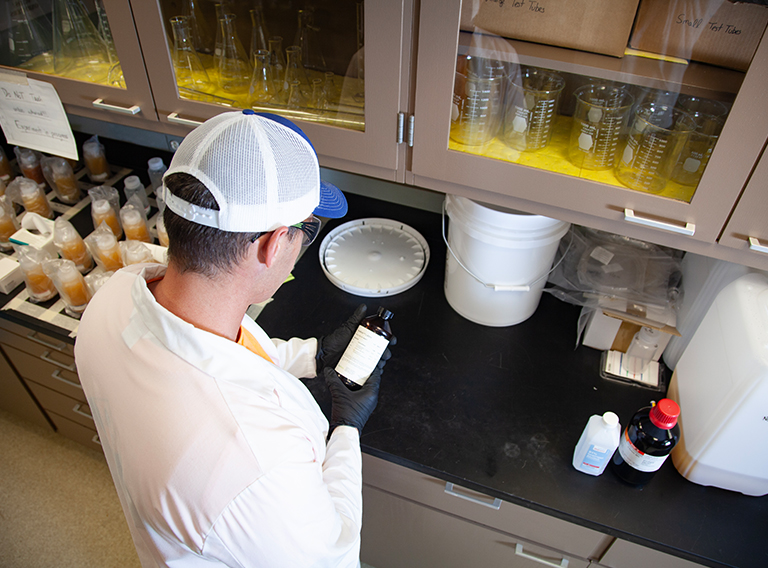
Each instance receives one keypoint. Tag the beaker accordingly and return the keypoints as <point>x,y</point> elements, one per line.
<point>234,75</point>
<point>259,33</point>
<point>186,62</point>
<point>656,139</point>
<point>531,108</point>
<point>79,51</point>
<point>263,88</point>
<point>710,119</point>
<point>296,100</point>
<point>29,38</point>
<point>599,120</point>
<point>478,100</point>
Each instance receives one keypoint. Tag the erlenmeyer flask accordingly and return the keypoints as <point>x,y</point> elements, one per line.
<point>262,84</point>
<point>186,63</point>
<point>277,60</point>
<point>106,33</point>
<point>29,41</point>
<point>307,39</point>
<point>317,96</point>
<point>330,93</point>
<point>294,70</point>
<point>200,32</point>
<point>259,33</point>
<point>296,100</point>
<point>78,50</point>
<point>234,76</point>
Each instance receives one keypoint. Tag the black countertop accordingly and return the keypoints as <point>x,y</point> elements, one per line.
<point>500,410</point>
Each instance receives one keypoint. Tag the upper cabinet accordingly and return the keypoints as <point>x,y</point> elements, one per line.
<point>652,145</point>
<point>87,49</point>
<point>334,66</point>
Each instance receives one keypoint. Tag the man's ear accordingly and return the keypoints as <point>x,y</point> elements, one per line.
<point>270,246</point>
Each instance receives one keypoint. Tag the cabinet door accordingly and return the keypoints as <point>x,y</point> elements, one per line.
<point>16,398</point>
<point>398,533</point>
<point>548,181</point>
<point>747,230</point>
<point>88,51</point>
<point>623,554</point>
<point>348,66</point>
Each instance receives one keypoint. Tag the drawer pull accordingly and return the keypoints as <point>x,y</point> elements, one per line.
<point>78,406</point>
<point>176,119</point>
<point>540,559</point>
<point>57,375</point>
<point>32,335</point>
<point>100,104</point>
<point>46,357</point>
<point>689,229</point>
<point>449,489</point>
<point>96,439</point>
<point>755,245</point>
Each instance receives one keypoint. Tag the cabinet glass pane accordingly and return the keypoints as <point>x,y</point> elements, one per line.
<point>639,122</point>
<point>304,60</point>
<point>66,38</point>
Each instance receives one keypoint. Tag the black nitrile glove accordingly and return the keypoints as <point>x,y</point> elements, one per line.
<point>331,347</point>
<point>348,407</point>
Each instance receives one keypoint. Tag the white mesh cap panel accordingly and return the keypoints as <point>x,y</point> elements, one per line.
<point>262,174</point>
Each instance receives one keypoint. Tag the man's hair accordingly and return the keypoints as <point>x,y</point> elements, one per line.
<point>197,248</point>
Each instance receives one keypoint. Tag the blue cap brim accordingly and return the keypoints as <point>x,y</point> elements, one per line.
<point>332,204</point>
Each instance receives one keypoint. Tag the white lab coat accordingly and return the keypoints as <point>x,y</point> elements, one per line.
<point>218,456</point>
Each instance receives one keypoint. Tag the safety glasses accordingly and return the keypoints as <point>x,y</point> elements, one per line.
<point>310,229</point>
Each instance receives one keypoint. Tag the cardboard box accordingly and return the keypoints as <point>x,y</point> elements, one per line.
<point>613,330</point>
<point>10,274</point>
<point>719,32</point>
<point>599,26</point>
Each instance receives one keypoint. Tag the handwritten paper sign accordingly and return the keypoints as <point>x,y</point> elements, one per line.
<point>32,116</point>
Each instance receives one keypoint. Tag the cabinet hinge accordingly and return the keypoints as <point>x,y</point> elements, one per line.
<point>411,123</point>
<point>400,127</point>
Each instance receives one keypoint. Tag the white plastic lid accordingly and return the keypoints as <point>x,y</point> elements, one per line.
<point>156,164</point>
<point>101,206</point>
<point>132,182</point>
<point>610,419</point>
<point>374,257</point>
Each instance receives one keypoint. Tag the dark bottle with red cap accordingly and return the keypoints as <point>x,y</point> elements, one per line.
<point>646,442</point>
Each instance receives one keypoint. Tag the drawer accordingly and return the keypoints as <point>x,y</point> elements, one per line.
<point>48,369</point>
<point>16,398</point>
<point>501,515</point>
<point>623,554</point>
<point>32,341</point>
<point>77,432</point>
<point>398,533</point>
<point>69,408</point>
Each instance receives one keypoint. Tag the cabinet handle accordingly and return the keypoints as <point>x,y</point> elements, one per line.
<point>689,229</point>
<point>176,119</point>
<point>755,245</point>
<point>449,489</point>
<point>78,406</point>
<point>57,375</point>
<point>96,439</point>
<point>540,559</point>
<point>32,337</point>
<point>99,103</point>
<point>46,357</point>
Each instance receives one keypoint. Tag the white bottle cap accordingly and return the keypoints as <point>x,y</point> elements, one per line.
<point>132,182</point>
<point>100,206</point>
<point>610,419</point>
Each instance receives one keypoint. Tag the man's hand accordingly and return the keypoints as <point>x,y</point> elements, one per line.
<point>348,407</point>
<point>331,347</point>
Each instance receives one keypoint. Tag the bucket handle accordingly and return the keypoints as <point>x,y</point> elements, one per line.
<point>502,287</point>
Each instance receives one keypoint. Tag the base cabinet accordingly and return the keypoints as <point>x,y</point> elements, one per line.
<point>16,398</point>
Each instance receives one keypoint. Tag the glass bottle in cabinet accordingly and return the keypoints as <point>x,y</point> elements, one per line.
<point>318,44</point>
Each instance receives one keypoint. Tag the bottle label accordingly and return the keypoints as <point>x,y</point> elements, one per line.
<point>362,355</point>
<point>596,457</point>
<point>637,459</point>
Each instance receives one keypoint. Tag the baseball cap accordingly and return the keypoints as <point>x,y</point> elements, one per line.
<point>261,169</point>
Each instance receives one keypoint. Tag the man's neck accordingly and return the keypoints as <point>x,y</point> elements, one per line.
<point>216,305</point>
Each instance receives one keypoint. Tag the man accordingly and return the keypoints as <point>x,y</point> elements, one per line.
<point>217,450</point>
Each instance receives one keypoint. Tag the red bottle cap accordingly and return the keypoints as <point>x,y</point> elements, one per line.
<point>664,414</point>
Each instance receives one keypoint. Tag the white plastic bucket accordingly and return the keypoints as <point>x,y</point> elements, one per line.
<point>497,260</point>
